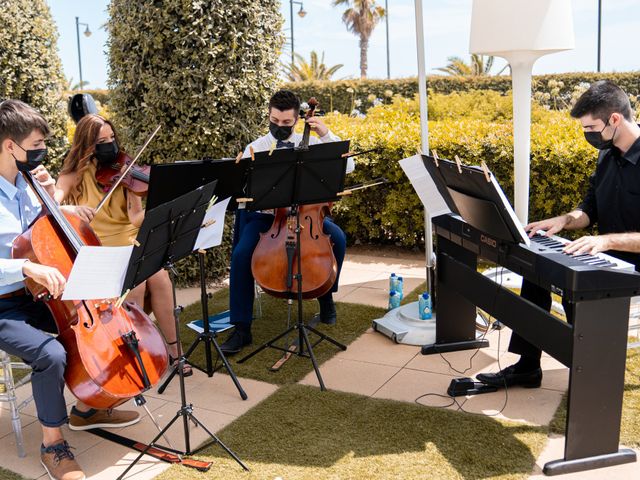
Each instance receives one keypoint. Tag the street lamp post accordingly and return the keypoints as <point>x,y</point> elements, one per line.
<point>599,30</point>
<point>87,33</point>
<point>386,16</point>
<point>301,14</point>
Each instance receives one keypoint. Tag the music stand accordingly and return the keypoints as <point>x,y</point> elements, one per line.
<point>171,180</point>
<point>168,234</point>
<point>291,178</point>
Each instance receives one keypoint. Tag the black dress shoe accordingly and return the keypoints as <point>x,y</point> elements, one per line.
<point>508,377</point>
<point>236,341</point>
<point>327,313</point>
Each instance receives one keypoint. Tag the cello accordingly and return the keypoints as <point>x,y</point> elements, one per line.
<point>113,353</point>
<point>274,263</point>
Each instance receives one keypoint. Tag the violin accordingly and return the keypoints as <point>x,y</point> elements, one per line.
<point>275,262</point>
<point>136,179</point>
<point>113,353</point>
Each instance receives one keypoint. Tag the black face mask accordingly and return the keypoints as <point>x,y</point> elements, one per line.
<point>106,153</point>
<point>595,138</point>
<point>280,133</point>
<point>34,159</point>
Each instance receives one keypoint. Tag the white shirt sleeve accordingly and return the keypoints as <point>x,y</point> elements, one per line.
<point>332,137</point>
<point>11,270</point>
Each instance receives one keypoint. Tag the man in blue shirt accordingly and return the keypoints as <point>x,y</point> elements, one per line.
<point>24,322</point>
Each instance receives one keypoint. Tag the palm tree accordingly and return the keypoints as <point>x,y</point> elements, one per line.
<point>361,18</point>
<point>312,70</point>
<point>477,66</point>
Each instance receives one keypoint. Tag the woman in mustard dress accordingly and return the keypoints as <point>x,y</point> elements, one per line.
<point>117,222</point>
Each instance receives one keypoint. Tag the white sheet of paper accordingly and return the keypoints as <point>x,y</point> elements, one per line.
<point>211,235</point>
<point>98,272</point>
<point>514,218</point>
<point>424,186</point>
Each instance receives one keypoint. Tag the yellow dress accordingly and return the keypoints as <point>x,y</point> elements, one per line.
<point>111,223</point>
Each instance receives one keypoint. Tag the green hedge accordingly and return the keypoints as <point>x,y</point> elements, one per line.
<point>561,161</point>
<point>344,95</point>
<point>30,68</point>
<point>203,70</point>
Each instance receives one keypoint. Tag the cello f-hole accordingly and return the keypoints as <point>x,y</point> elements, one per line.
<point>311,233</point>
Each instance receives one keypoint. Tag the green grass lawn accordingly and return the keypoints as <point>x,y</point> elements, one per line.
<point>302,433</point>
<point>353,320</point>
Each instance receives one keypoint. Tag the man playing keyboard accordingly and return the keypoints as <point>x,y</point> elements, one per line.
<point>612,202</point>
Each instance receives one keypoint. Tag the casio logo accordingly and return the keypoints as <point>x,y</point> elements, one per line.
<point>488,241</point>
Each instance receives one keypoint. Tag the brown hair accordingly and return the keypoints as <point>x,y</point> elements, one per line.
<point>601,100</point>
<point>84,143</point>
<point>18,120</point>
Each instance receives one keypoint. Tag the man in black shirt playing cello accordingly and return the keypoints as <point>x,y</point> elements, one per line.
<point>612,202</point>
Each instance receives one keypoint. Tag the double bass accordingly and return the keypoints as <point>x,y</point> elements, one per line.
<point>274,263</point>
<point>113,353</point>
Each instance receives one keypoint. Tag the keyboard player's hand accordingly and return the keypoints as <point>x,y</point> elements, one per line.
<point>551,225</point>
<point>588,244</point>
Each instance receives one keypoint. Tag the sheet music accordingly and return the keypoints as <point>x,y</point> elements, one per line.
<point>424,186</point>
<point>211,235</point>
<point>98,272</point>
<point>505,202</point>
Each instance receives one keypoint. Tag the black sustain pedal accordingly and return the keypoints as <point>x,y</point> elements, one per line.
<point>467,386</point>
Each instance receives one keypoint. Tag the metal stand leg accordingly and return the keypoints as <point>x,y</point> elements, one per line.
<point>186,410</point>
<point>208,338</point>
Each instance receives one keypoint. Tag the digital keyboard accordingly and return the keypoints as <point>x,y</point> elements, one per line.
<point>557,244</point>
<point>544,263</point>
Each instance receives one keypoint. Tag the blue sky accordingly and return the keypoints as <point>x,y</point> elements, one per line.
<point>446,34</point>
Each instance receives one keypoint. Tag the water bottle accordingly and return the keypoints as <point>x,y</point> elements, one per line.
<point>399,286</point>
<point>424,305</point>
<point>393,283</point>
<point>394,300</point>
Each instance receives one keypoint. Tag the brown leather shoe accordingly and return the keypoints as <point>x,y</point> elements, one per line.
<point>101,419</point>
<point>59,462</point>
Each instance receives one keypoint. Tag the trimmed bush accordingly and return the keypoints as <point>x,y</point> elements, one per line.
<point>561,161</point>
<point>345,95</point>
<point>30,69</point>
<point>204,70</point>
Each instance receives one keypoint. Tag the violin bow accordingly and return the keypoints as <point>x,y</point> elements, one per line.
<point>117,182</point>
<point>361,186</point>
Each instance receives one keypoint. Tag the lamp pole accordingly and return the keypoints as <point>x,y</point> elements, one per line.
<point>599,30</point>
<point>301,14</point>
<point>87,33</point>
<point>386,16</point>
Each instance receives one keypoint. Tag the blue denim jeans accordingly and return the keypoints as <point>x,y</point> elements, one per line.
<point>23,324</point>
<point>248,227</point>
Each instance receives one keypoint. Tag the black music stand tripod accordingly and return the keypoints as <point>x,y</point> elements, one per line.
<point>167,235</point>
<point>186,176</point>
<point>294,178</point>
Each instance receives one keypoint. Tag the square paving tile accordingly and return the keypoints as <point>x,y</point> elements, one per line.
<point>368,296</point>
<point>376,348</point>
<point>534,406</point>
<point>219,394</point>
<point>351,376</point>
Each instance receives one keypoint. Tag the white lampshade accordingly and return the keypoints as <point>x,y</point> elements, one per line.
<point>538,27</point>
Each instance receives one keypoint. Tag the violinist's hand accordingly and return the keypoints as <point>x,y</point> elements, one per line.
<point>41,174</point>
<point>317,126</point>
<point>85,213</point>
<point>48,277</point>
